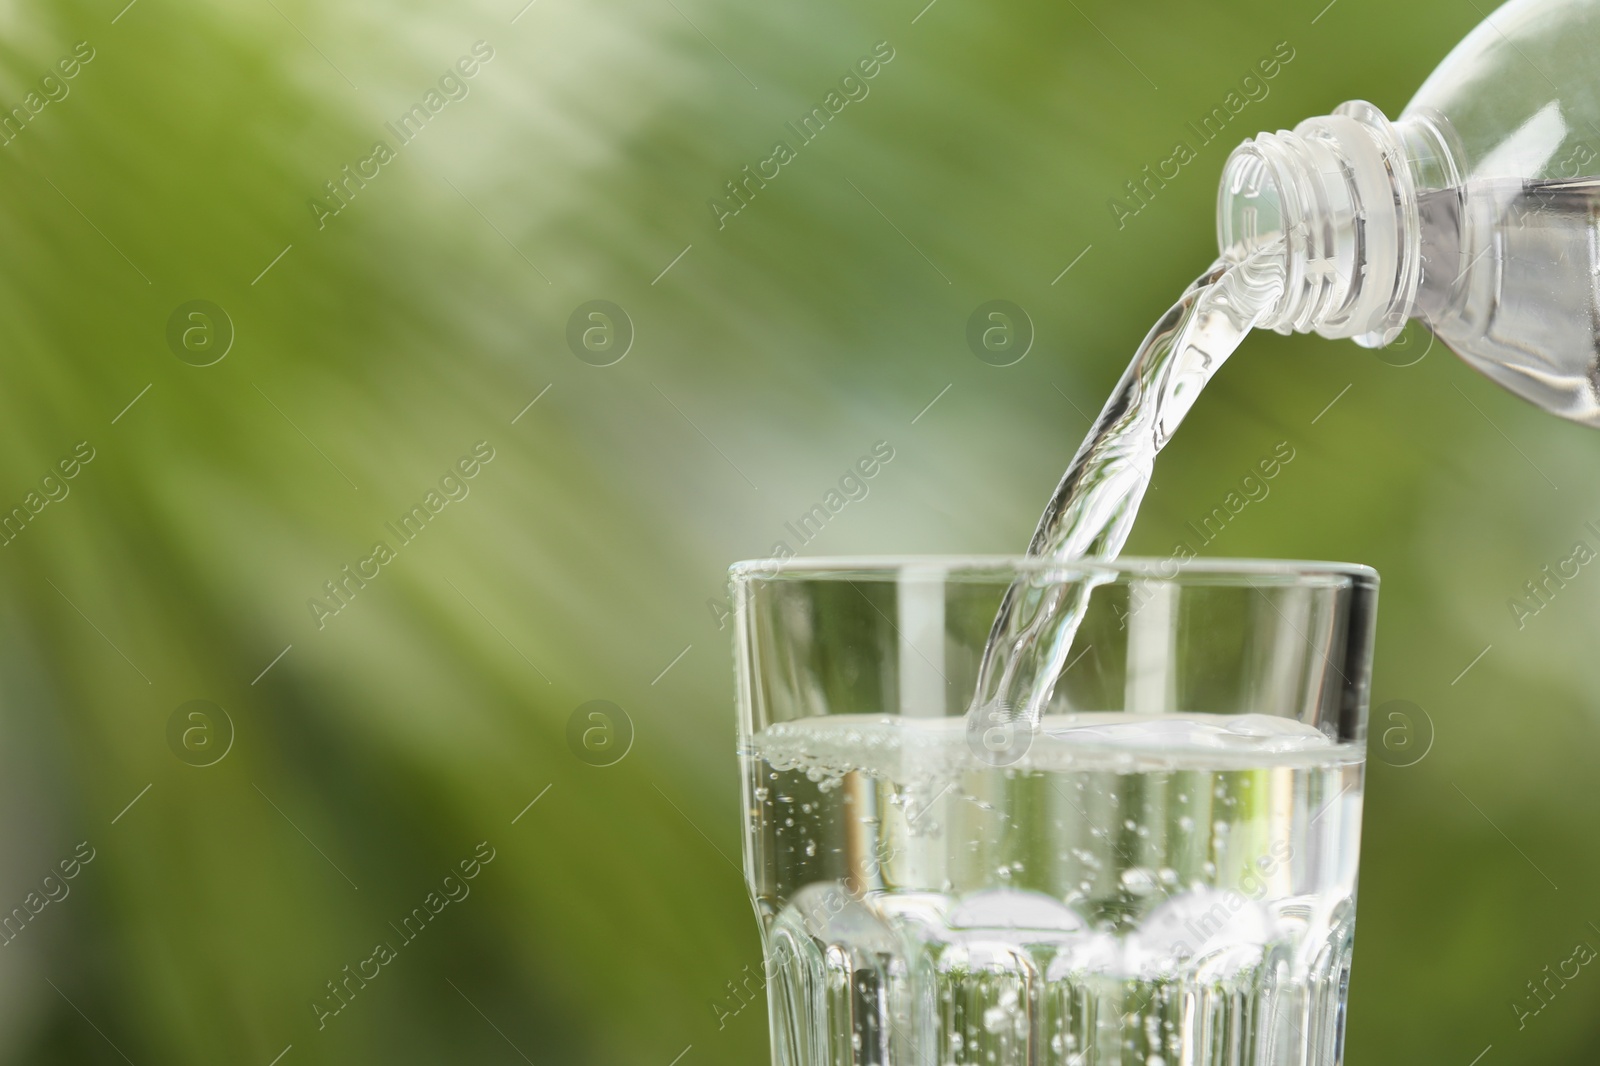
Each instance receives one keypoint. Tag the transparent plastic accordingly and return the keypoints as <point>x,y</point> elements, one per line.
<point>1477,211</point>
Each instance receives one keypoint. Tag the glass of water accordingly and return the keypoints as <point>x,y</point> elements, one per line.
<point>1163,874</point>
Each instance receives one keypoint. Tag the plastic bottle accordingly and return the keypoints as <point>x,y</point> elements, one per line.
<point>1477,211</point>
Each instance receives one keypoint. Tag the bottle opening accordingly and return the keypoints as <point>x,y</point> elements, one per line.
<point>1337,193</point>
<point>1250,210</point>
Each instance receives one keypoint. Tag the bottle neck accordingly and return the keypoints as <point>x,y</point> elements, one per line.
<point>1339,197</point>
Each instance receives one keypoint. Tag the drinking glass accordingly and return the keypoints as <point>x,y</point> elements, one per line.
<point>1164,874</point>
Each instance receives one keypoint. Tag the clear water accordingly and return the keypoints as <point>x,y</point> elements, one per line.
<point>1092,510</point>
<point>1016,888</point>
<point>1150,890</point>
<point>1509,284</point>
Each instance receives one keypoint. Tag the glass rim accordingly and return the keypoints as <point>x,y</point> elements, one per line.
<point>999,567</point>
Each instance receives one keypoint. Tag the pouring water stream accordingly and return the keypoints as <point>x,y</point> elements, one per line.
<point>1092,510</point>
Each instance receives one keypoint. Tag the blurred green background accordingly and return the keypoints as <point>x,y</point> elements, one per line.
<point>371,755</point>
